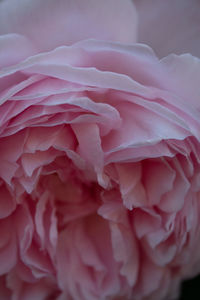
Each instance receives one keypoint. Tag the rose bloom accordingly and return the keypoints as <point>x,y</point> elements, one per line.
<point>99,150</point>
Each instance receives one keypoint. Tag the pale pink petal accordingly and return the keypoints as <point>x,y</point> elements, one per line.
<point>27,184</point>
<point>125,250</point>
<point>181,78</point>
<point>173,200</point>
<point>92,151</point>
<point>71,21</point>
<point>124,243</point>
<point>25,228</point>
<point>113,208</point>
<point>145,221</point>
<point>85,247</point>
<point>39,218</point>
<point>131,188</point>
<point>163,254</point>
<point>38,262</point>
<point>41,139</point>
<point>149,279</point>
<point>46,223</point>
<point>169,26</point>
<point>31,247</point>
<point>20,83</point>
<point>146,129</point>
<point>10,55</point>
<point>31,162</point>
<point>100,151</point>
<point>62,68</point>
<point>139,153</point>
<point>12,147</point>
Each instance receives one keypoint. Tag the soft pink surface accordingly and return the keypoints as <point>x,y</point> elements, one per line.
<point>99,158</point>
<point>169,26</point>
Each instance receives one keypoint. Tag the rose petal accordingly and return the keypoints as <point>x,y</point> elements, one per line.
<point>92,151</point>
<point>149,278</point>
<point>4,291</point>
<point>173,201</point>
<point>145,221</point>
<point>72,21</point>
<point>125,250</point>
<point>8,249</point>
<point>23,290</point>
<point>10,55</point>
<point>162,173</point>
<point>7,202</point>
<point>169,26</point>
<point>131,187</point>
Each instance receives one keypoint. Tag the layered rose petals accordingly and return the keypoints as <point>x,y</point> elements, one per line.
<point>99,177</point>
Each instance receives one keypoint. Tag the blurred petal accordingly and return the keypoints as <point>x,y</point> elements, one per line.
<point>4,291</point>
<point>8,246</point>
<point>7,203</point>
<point>11,55</point>
<point>171,26</point>
<point>50,23</point>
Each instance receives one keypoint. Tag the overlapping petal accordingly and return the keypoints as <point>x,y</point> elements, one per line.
<point>99,154</point>
<point>49,24</point>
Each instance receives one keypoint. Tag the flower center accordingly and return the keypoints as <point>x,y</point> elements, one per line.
<point>70,193</point>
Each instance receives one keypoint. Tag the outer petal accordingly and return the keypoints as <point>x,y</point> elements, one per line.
<point>171,26</point>
<point>50,23</point>
<point>11,55</point>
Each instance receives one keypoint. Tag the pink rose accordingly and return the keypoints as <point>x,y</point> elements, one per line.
<point>99,155</point>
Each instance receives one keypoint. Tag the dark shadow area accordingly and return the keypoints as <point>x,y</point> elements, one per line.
<point>190,289</point>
